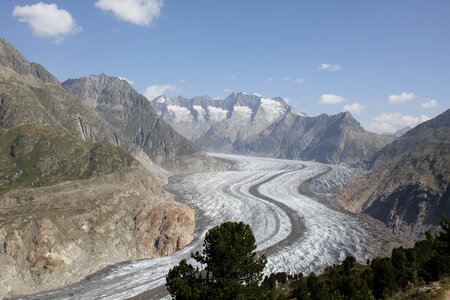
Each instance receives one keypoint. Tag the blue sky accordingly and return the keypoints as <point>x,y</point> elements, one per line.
<point>387,61</point>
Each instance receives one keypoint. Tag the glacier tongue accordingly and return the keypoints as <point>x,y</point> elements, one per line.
<point>297,233</point>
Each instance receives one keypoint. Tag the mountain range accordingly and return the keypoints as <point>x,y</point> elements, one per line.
<point>254,125</point>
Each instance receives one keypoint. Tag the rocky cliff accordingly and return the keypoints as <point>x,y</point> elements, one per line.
<point>408,185</point>
<point>75,193</point>
<point>254,125</point>
<point>56,235</point>
<point>131,113</point>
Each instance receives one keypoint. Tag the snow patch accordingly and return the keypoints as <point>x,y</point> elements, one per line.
<point>216,114</point>
<point>201,112</point>
<point>180,114</point>
<point>242,112</point>
<point>272,109</point>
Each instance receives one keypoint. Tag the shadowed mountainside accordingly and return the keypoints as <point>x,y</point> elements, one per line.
<point>408,186</point>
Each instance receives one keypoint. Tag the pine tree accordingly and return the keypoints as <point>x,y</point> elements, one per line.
<point>232,269</point>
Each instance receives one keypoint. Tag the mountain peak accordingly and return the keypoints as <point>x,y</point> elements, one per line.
<point>346,114</point>
<point>106,79</point>
<point>13,59</point>
<point>96,89</point>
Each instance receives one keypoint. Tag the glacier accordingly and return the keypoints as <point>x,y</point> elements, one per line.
<point>295,231</point>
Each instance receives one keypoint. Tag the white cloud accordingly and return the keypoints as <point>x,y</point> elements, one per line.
<point>299,80</point>
<point>331,99</point>
<point>403,97</point>
<point>47,20</point>
<point>182,81</point>
<point>286,78</point>
<point>354,108</point>
<point>329,67</point>
<point>131,82</point>
<point>154,91</point>
<point>227,90</point>
<point>268,80</point>
<point>139,12</point>
<point>429,104</point>
<point>391,122</point>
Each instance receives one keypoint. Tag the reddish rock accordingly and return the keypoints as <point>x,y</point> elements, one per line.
<point>11,247</point>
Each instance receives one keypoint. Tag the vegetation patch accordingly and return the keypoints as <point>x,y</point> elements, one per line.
<point>230,269</point>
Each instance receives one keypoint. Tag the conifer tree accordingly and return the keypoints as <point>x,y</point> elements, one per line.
<point>232,268</point>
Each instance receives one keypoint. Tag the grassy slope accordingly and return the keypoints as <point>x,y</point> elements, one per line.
<point>40,144</point>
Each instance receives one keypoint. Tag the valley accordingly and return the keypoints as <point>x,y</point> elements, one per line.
<point>296,232</point>
<point>304,146</point>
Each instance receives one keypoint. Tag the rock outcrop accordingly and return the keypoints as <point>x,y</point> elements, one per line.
<point>408,185</point>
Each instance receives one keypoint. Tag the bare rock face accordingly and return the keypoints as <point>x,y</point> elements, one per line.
<point>162,230</point>
<point>53,236</point>
<point>408,185</point>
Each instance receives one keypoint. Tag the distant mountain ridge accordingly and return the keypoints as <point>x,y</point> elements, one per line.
<point>329,139</point>
<point>202,119</point>
<point>408,186</point>
<point>254,125</point>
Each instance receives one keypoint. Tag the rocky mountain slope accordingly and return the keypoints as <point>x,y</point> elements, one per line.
<point>131,113</point>
<point>408,186</point>
<point>249,124</point>
<point>329,139</point>
<point>46,136</point>
<point>75,193</point>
